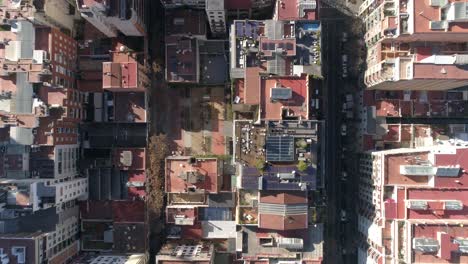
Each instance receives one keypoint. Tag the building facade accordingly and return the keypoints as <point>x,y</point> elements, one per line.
<point>411,205</point>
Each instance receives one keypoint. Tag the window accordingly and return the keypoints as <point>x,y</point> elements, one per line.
<point>20,253</point>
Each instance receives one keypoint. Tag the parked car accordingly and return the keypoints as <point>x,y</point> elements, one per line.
<point>344,175</point>
<point>343,129</point>
<point>343,216</point>
<point>344,69</point>
<point>344,37</point>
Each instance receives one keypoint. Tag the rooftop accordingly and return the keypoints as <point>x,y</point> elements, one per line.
<point>296,9</point>
<point>106,135</point>
<point>258,243</point>
<point>87,258</point>
<point>282,197</point>
<point>119,75</point>
<point>113,210</point>
<point>187,174</point>
<point>129,107</point>
<point>186,22</point>
<point>182,60</point>
<point>281,210</point>
<point>129,158</point>
<point>436,157</point>
<point>449,250</point>
<point>294,106</point>
<point>201,252</point>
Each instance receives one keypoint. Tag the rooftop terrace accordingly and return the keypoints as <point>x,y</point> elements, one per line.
<point>186,174</point>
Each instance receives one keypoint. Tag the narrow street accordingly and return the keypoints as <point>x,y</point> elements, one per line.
<point>340,229</point>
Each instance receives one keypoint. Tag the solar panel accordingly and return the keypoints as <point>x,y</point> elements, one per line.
<point>425,245</point>
<point>291,243</point>
<point>239,29</point>
<point>417,205</point>
<point>281,93</point>
<point>416,170</point>
<point>453,205</point>
<point>248,30</point>
<point>279,148</point>
<point>249,178</point>
<point>447,172</point>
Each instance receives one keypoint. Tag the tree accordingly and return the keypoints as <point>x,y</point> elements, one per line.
<point>302,165</point>
<point>260,164</point>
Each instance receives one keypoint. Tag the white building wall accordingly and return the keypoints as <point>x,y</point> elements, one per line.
<point>70,190</point>
<point>216,16</point>
<point>63,231</point>
<point>65,157</point>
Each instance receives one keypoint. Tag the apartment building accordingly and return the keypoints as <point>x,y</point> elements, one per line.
<point>111,17</point>
<point>40,112</point>
<point>185,251</point>
<point>114,76</point>
<point>394,119</point>
<point>52,13</point>
<point>411,205</point>
<point>190,57</point>
<point>415,45</point>
<point>198,205</point>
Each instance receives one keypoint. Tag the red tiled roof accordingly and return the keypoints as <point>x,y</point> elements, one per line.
<point>283,197</point>
<point>279,222</point>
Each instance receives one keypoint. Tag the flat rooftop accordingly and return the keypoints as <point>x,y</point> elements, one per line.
<point>129,158</point>
<point>312,239</point>
<point>289,10</point>
<point>182,60</point>
<point>119,75</point>
<point>129,107</point>
<point>186,22</point>
<point>294,107</point>
<point>183,173</point>
<point>444,235</point>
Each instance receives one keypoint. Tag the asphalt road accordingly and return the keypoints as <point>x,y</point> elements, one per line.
<point>332,163</point>
<point>341,195</point>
